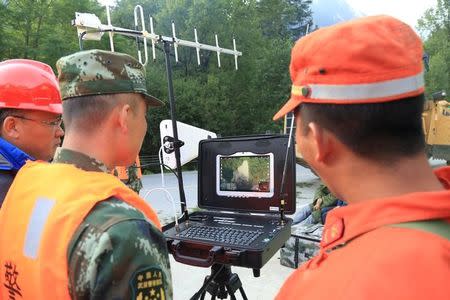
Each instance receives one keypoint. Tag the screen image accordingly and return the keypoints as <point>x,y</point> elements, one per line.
<point>245,174</point>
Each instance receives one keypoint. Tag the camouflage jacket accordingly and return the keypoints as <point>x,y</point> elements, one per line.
<point>115,253</point>
<point>328,199</point>
<point>133,182</point>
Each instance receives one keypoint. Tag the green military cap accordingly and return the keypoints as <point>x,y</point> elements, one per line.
<point>97,72</point>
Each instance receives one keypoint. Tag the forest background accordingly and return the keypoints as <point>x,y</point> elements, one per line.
<point>221,100</point>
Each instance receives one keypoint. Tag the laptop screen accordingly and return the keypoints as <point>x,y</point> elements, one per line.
<point>245,174</point>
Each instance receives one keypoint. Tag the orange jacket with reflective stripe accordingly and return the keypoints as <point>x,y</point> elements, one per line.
<point>43,209</point>
<point>362,257</point>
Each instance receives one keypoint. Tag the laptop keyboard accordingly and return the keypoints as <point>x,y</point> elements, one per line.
<point>225,235</point>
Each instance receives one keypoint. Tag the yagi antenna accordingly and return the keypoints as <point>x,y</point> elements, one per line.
<point>139,9</point>
<point>89,27</point>
<point>153,41</point>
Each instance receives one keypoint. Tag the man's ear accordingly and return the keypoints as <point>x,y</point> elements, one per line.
<point>124,117</point>
<point>322,141</point>
<point>10,128</point>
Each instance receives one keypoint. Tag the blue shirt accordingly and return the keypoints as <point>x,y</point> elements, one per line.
<point>11,160</point>
<point>11,157</point>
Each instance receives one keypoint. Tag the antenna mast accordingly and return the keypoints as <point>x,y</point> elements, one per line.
<point>89,27</point>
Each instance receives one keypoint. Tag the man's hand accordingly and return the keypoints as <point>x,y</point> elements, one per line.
<point>318,204</point>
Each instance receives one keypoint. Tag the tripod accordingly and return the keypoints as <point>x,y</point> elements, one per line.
<point>221,283</point>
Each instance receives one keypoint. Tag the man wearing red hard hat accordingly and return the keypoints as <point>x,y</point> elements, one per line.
<point>30,116</point>
<point>357,96</point>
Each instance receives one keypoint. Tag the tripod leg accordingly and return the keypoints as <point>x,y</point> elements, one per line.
<point>233,284</point>
<point>213,296</point>
<point>231,293</point>
<point>202,296</point>
<point>233,297</point>
<point>244,296</point>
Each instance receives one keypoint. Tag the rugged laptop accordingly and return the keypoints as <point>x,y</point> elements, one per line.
<point>240,193</point>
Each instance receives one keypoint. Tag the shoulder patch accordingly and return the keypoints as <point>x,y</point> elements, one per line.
<point>148,284</point>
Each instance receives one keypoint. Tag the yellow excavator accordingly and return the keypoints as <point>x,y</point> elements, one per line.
<point>436,126</point>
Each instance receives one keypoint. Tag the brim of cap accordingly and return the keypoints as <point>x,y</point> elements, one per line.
<point>153,101</point>
<point>290,105</point>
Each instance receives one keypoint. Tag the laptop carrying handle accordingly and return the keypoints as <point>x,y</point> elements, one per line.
<point>195,261</point>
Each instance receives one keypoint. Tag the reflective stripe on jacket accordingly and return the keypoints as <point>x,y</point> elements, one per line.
<point>45,206</point>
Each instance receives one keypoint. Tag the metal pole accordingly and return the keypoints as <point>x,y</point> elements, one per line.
<point>174,128</point>
<point>111,34</point>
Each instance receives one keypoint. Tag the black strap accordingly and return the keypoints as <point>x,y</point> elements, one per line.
<point>296,250</point>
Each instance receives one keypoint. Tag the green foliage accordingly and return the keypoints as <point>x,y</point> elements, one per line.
<point>223,100</point>
<point>41,29</point>
<point>435,27</point>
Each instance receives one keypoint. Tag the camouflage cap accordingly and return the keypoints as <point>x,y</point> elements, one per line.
<point>97,72</point>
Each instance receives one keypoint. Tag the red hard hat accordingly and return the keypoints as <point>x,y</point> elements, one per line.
<point>29,84</point>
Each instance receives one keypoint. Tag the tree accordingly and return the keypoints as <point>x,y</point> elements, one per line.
<point>222,100</point>
<point>435,29</point>
<point>2,30</point>
<point>40,29</point>
<point>26,19</point>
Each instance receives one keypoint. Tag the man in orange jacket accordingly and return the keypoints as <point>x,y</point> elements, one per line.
<point>357,94</point>
<point>71,229</point>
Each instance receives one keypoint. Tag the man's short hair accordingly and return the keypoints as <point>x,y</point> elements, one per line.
<point>6,112</point>
<point>82,112</point>
<point>382,132</point>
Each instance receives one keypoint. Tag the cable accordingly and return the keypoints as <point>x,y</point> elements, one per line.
<point>169,198</point>
<point>153,164</point>
<point>161,165</point>
<point>172,170</point>
<point>80,39</point>
<point>160,157</point>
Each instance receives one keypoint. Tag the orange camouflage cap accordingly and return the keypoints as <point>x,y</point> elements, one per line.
<point>366,60</point>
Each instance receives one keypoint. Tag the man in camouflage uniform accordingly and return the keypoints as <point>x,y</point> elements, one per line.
<point>311,214</point>
<point>118,251</point>
<point>139,243</point>
<point>131,176</point>
<point>133,182</point>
